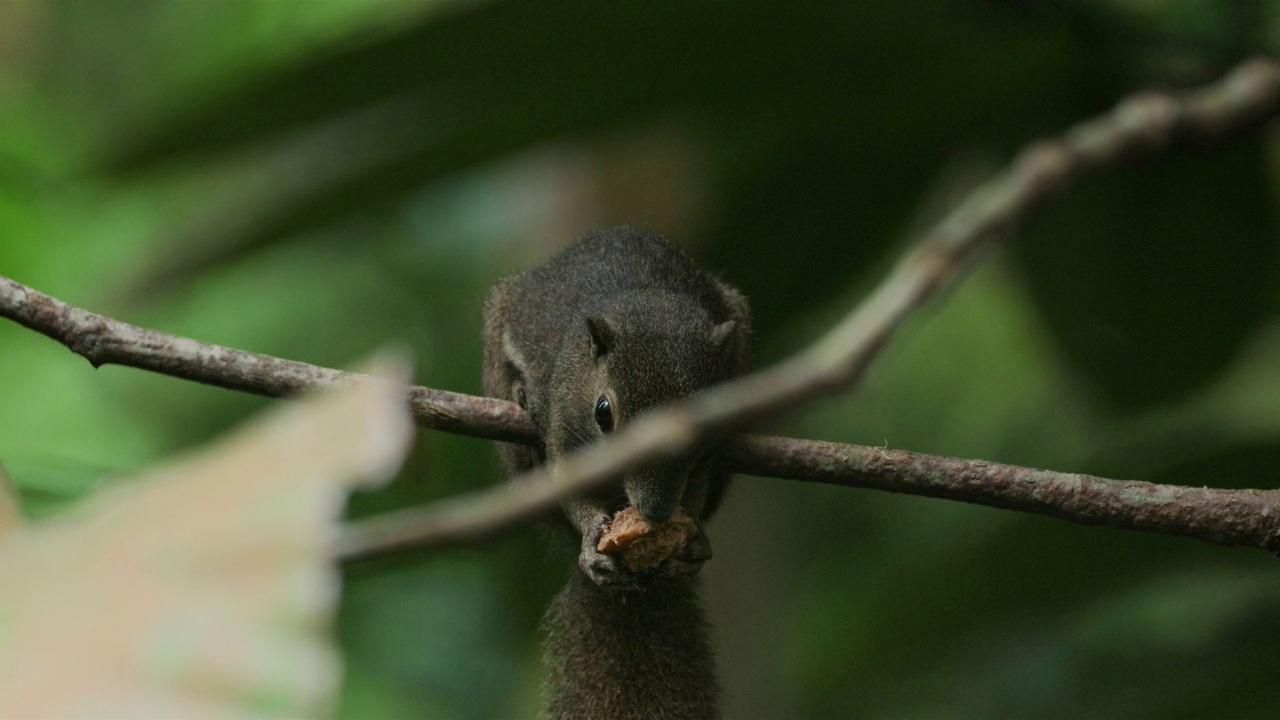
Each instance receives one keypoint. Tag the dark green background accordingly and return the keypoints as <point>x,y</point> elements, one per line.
<point>314,179</point>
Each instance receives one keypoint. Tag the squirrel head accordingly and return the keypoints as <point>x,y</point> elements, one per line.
<point>644,350</point>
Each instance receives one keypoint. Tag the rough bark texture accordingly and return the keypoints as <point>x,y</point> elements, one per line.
<point>103,341</point>
<point>1219,516</point>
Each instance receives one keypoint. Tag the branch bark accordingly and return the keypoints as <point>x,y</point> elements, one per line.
<point>1144,125</point>
<point>1222,517</point>
<point>104,341</point>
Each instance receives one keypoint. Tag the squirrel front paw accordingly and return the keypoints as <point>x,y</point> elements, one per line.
<point>604,570</point>
<point>690,558</point>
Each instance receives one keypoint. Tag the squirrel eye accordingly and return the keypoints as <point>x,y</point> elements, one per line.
<point>604,414</point>
<point>520,399</point>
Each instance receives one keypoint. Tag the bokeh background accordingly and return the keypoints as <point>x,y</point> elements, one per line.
<point>315,179</point>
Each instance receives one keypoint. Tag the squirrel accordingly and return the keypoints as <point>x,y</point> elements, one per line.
<point>618,323</point>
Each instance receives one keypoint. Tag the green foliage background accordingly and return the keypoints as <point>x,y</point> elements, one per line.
<point>313,179</point>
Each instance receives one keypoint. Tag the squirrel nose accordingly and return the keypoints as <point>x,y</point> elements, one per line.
<point>656,512</point>
<point>656,501</point>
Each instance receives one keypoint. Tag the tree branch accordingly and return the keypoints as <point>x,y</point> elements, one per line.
<point>1141,126</point>
<point>104,341</point>
<point>1222,517</point>
<point>1144,125</point>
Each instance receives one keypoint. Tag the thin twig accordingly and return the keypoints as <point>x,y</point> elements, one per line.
<point>104,341</point>
<point>1144,125</point>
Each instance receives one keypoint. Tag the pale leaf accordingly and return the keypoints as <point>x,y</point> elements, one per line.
<point>202,589</point>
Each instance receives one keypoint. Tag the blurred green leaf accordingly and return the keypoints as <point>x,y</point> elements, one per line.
<point>311,178</point>
<point>430,632</point>
<point>1153,276</point>
<point>791,127</point>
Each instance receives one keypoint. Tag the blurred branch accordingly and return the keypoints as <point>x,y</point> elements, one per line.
<point>1147,124</point>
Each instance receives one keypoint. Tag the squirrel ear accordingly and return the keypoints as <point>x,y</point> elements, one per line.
<point>603,336</point>
<point>721,333</point>
<point>514,356</point>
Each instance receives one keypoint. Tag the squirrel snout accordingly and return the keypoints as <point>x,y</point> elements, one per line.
<point>656,512</point>
<point>655,500</point>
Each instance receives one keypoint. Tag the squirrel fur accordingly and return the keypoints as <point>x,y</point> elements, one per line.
<point>617,323</point>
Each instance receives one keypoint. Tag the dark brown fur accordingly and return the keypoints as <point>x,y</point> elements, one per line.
<point>621,313</point>
<point>630,654</point>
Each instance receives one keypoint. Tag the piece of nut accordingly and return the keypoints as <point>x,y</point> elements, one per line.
<point>644,545</point>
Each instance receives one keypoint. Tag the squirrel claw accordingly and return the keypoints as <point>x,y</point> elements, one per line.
<point>690,558</point>
<point>698,549</point>
<point>604,570</point>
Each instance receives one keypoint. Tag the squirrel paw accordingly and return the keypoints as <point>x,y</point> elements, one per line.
<point>604,570</point>
<point>690,558</point>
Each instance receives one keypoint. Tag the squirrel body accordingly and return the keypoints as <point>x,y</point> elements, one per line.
<point>633,655</point>
<point>617,323</point>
